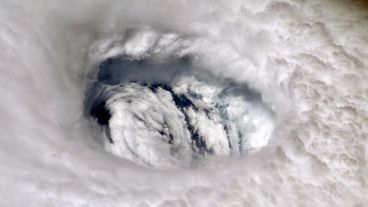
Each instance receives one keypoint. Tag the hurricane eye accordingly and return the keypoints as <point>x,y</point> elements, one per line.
<point>173,114</point>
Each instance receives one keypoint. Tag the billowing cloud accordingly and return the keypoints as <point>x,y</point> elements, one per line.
<point>247,103</point>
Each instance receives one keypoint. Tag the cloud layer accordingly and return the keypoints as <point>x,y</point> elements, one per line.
<point>306,59</point>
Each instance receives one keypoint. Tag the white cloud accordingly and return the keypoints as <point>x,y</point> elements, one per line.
<point>306,59</point>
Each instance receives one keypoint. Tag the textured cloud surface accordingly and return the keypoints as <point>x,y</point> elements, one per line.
<point>276,90</point>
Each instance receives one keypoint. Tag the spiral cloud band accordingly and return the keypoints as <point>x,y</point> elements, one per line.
<point>183,103</point>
